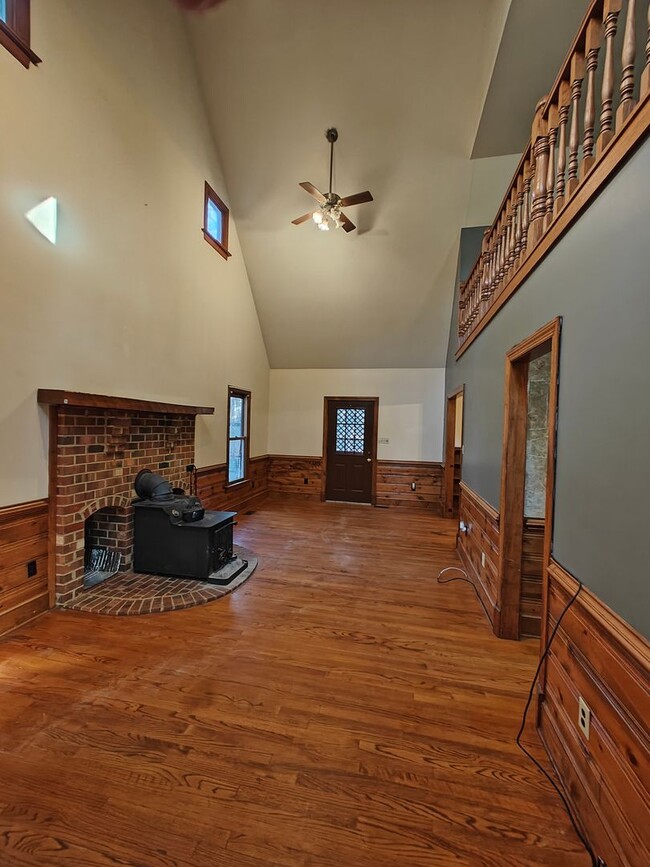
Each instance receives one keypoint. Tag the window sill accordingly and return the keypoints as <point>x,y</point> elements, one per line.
<point>221,250</point>
<point>237,484</point>
<point>15,45</point>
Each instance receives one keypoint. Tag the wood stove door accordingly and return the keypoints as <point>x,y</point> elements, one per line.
<point>350,449</point>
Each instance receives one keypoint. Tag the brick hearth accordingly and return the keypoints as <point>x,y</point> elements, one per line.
<point>98,454</point>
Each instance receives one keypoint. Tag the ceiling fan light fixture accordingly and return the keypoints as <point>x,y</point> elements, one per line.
<point>317,217</point>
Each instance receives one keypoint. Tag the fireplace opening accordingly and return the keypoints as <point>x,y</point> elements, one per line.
<point>108,536</point>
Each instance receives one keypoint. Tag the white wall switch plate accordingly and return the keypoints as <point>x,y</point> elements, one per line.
<point>584,716</point>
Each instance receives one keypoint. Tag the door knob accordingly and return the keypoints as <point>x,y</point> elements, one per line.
<point>369,460</point>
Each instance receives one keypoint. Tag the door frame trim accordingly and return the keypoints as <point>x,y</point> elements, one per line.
<point>375,433</point>
<point>450,447</point>
<point>513,468</point>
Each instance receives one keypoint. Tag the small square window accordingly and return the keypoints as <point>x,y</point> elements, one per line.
<point>15,29</point>
<point>215,222</point>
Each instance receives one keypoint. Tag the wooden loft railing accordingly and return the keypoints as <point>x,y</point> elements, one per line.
<point>579,138</point>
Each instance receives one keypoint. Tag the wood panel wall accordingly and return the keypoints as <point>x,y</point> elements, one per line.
<point>23,541</point>
<point>394,480</point>
<point>214,494</point>
<point>295,474</point>
<point>300,474</point>
<point>532,569</point>
<point>598,656</point>
<point>482,538</point>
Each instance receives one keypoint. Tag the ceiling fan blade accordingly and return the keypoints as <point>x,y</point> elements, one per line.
<point>311,189</point>
<point>357,199</point>
<point>346,224</point>
<point>302,219</point>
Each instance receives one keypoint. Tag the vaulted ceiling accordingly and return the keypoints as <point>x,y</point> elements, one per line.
<point>404,82</point>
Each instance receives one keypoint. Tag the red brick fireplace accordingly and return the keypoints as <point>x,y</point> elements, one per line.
<point>97,446</point>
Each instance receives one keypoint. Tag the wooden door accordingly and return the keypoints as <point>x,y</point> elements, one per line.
<point>350,449</point>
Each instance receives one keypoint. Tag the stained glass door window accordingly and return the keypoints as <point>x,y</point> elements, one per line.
<point>350,430</point>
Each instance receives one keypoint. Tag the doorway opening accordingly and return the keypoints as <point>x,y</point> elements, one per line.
<point>454,450</point>
<point>350,449</point>
<point>527,483</point>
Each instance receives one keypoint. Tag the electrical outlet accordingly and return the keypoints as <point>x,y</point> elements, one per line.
<point>31,569</point>
<point>305,481</point>
<point>482,558</point>
<point>584,716</point>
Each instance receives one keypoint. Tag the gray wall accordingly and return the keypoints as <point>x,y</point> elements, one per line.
<point>598,279</point>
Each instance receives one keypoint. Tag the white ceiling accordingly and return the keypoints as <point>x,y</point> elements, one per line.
<point>404,81</point>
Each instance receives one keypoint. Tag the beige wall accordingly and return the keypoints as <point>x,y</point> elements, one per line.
<point>132,301</point>
<point>490,179</point>
<point>411,403</point>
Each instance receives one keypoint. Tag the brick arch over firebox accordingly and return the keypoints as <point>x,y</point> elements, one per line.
<point>122,502</point>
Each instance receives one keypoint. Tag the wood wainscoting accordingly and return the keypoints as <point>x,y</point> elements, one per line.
<point>598,656</point>
<point>303,475</point>
<point>532,571</point>
<point>216,494</point>
<point>395,480</point>
<point>296,474</point>
<point>23,563</point>
<point>482,540</point>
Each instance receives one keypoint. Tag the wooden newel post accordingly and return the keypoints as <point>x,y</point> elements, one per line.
<point>540,147</point>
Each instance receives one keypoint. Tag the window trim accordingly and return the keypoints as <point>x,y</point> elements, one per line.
<point>220,246</point>
<point>15,33</point>
<point>238,392</point>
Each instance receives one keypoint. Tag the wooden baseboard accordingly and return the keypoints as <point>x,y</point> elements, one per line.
<point>606,778</point>
<point>23,549</point>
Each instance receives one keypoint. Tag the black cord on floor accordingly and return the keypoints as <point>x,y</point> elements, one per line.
<point>596,862</point>
<point>464,578</point>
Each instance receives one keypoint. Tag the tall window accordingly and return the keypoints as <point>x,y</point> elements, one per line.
<point>215,222</point>
<point>239,403</point>
<point>14,30</point>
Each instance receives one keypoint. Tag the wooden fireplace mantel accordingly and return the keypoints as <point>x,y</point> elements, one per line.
<point>58,397</point>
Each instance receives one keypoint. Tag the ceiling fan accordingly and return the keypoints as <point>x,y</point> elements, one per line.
<point>330,210</point>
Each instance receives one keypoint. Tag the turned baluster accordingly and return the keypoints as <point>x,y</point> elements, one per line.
<point>525,215</point>
<point>628,102</point>
<point>502,250</point>
<point>564,102</point>
<point>519,213</point>
<point>592,48</point>
<point>553,122</point>
<point>513,228</point>
<point>539,139</point>
<point>492,265</point>
<point>611,12</point>
<point>577,74</point>
<point>506,244</point>
<point>485,273</point>
<point>645,75</point>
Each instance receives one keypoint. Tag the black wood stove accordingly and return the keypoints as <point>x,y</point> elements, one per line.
<point>175,535</point>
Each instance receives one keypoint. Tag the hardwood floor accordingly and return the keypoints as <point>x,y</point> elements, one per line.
<point>340,709</point>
